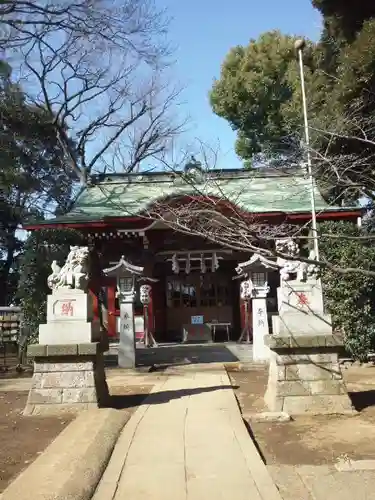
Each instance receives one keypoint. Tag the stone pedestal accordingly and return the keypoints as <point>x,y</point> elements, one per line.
<point>305,376</point>
<point>300,308</point>
<point>69,319</point>
<point>68,360</point>
<point>67,377</point>
<point>261,352</point>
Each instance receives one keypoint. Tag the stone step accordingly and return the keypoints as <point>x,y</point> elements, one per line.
<point>177,353</point>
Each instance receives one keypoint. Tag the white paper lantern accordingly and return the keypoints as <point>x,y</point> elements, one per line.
<point>175,264</point>
<point>145,294</point>
<point>246,290</point>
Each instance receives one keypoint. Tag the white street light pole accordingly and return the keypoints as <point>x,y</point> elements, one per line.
<point>299,46</point>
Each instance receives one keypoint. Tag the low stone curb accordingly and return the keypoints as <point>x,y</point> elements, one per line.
<point>259,472</point>
<point>73,464</point>
<point>266,417</point>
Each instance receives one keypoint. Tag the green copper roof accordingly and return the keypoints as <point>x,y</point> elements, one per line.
<point>130,195</point>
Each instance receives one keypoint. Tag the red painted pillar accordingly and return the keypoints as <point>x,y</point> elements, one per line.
<point>243,314</point>
<point>111,299</point>
<point>95,280</point>
<point>151,318</point>
<point>93,291</point>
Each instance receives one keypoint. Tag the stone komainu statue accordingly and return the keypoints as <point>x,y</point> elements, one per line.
<point>289,268</point>
<point>73,274</point>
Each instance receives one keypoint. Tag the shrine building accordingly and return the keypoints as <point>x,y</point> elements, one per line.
<point>192,278</point>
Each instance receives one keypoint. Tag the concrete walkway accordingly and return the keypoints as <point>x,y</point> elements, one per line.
<point>187,442</point>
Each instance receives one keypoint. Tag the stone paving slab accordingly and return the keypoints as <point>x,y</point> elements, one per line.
<point>187,442</point>
<point>322,482</point>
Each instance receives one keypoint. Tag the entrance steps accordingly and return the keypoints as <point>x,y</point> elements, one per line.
<point>184,354</point>
<point>244,352</point>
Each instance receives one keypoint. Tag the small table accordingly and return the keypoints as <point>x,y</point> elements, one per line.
<point>213,327</point>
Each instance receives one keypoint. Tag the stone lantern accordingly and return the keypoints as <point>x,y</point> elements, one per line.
<point>255,270</point>
<point>125,274</point>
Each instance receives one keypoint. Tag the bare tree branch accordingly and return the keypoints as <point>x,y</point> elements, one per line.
<point>203,209</point>
<point>346,162</point>
<point>98,69</point>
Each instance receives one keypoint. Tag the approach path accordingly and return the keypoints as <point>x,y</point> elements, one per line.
<point>187,442</point>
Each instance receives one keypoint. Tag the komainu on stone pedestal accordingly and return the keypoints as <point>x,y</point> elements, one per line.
<point>69,361</point>
<point>305,376</point>
<point>300,296</point>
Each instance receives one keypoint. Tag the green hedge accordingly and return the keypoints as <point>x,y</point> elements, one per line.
<point>350,298</point>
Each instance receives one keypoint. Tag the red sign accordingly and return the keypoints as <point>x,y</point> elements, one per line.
<point>302,299</point>
<point>67,308</point>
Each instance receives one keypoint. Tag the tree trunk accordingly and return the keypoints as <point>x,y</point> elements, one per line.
<point>5,269</point>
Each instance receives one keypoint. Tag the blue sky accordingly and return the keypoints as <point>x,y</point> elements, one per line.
<point>203,32</point>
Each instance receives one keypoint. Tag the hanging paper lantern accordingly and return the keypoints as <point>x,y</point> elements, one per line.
<point>175,264</point>
<point>203,265</point>
<point>215,262</point>
<point>145,294</point>
<point>246,290</point>
<point>188,265</point>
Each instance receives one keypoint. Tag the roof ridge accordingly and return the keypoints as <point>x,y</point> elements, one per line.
<point>214,174</point>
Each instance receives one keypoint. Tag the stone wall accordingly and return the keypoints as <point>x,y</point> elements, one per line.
<point>305,376</point>
<point>67,377</point>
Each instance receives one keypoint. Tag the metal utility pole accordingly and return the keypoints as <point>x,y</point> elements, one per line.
<point>299,46</point>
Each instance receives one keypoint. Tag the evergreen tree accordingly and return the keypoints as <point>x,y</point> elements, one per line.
<point>41,248</point>
<point>259,93</point>
<point>32,180</point>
